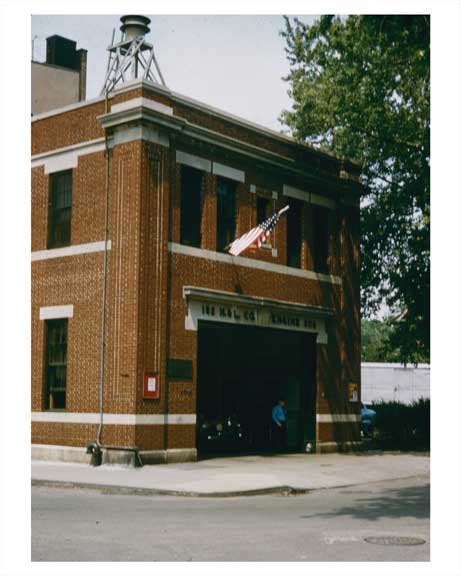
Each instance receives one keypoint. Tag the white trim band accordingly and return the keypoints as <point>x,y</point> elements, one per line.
<point>228,172</point>
<point>193,161</point>
<point>308,197</point>
<point>53,312</point>
<point>123,134</point>
<point>67,157</point>
<point>121,419</point>
<point>145,103</point>
<point>70,251</point>
<point>333,418</point>
<point>251,263</point>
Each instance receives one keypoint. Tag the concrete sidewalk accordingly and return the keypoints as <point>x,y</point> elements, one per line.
<point>237,476</point>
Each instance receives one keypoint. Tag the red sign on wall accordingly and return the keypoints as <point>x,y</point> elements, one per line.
<point>151,387</point>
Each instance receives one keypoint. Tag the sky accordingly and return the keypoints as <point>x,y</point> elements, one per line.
<point>235,63</point>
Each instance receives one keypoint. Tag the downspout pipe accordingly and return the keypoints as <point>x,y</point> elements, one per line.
<point>102,363</point>
<point>95,448</point>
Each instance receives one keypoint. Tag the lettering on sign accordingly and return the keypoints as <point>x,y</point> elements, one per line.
<point>293,321</point>
<point>229,313</point>
<point>208,310</point>
<point>254,316</point>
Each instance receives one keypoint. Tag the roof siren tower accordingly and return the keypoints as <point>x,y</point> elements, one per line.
<point>131,57</point>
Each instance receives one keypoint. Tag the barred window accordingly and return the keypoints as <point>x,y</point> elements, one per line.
<point>60,209</point>
<point>55,364</point>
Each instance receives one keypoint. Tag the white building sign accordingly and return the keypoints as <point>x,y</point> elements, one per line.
<point>253,316</point>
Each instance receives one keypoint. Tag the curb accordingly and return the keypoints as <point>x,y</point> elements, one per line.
<point>134,491</point>
<point>283,490</point>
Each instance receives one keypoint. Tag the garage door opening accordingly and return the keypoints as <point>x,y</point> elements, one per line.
<point>242,372</point>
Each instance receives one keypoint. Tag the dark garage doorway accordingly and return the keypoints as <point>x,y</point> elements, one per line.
<point>242,371</point>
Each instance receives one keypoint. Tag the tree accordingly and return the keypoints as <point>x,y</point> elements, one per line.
<point>377,343</point>
<point>360,89</point>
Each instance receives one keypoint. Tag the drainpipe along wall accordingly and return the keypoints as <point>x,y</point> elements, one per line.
<point>96,447</point>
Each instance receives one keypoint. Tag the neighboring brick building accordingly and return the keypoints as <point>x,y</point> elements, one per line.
<point>216,332</point>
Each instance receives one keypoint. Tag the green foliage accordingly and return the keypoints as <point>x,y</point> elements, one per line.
<point>360,88</point>
<point>401,426</point>
<point>379,343</point>
<point>375,342</point>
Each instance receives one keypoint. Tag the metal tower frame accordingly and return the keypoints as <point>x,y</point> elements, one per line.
<point>132,57</point>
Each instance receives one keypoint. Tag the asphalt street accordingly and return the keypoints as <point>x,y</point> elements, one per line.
<point>323,525</point>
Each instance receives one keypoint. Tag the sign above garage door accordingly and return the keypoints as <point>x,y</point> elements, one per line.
<point>232,308</point>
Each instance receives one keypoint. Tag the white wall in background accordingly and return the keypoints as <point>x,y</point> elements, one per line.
<point>389,382</point>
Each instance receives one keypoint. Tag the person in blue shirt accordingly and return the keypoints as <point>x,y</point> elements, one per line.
<point>279,425</point>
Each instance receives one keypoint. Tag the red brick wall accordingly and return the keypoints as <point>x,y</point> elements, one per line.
<point>145,306</point>
<point>153,280</point>
<point>339,432</point>
<point>74,126</point>
<point>81,125</point>
<point>75,280</point>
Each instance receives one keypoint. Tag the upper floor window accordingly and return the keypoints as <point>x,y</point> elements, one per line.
<point>226,193</point>
<point>60,209</point>
<point>191,206</point>
<point>321,236</point>
<point>55,364</point>
<point>262,209</point>
<point>294,233</point>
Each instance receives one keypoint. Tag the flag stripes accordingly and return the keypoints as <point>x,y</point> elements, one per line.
<point>257,235</point>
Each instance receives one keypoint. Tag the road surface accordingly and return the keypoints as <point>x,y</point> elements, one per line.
<point>324,525</point>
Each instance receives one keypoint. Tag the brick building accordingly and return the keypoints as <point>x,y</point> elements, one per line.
<point>139,333</point>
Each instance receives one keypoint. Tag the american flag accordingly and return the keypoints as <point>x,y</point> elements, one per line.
<point>256,235</point>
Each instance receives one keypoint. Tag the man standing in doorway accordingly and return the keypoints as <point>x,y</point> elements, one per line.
<point>279,425</point>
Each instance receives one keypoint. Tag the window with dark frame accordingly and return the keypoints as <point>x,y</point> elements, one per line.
<point>294,233</point>
<point>191,206</point>
<point>226,191</point>
<point>55,364</point>
<point>60,209</point>
<point>320,222</point>
<point>262,209</point>
<point>262,213</point>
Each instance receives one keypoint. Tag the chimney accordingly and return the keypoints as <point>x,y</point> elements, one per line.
<point>82,59</point>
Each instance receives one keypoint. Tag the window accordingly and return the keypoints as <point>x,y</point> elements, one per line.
<point>294,233</point>
<point>320,239</point>
<point>55,364</point>
<point>262,209</point>
<point>191,206</point>
<point>226,193</point>
<point>60,209</point>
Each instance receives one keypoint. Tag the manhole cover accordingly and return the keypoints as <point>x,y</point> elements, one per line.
<point>394,540</point>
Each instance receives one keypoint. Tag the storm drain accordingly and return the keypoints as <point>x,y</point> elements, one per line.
<point>394,540</point>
